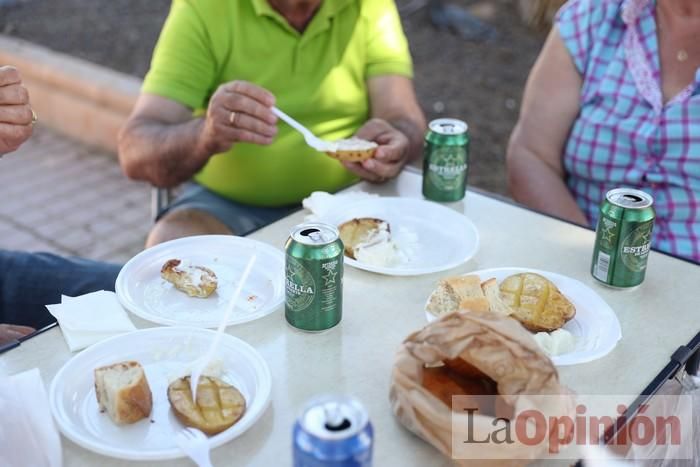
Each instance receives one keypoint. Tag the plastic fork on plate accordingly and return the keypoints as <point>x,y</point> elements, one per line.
<point>201,363</point>
<point>195,444</point>
<point>311,139</point>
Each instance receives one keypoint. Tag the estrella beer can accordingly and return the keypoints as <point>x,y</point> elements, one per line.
<point>446,160</point>
<point>333,431</point>
<point>314,277</point>
<point>623,238</point>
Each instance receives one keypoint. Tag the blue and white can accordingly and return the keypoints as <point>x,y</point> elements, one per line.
<point>333,431</point>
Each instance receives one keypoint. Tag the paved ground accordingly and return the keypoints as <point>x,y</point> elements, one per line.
<point>60,196</point>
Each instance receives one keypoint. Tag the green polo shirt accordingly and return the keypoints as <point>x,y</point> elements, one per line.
<point>318,77</point>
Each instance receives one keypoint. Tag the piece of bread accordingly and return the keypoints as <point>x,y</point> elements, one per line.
<point>195,281</point>
<point>493,295</point>
<point>353,150</point>
<point>357,231</point>
<point>122,391</point>
<point>219,405</point>
<point>536,302</point>
<point>455,293</point>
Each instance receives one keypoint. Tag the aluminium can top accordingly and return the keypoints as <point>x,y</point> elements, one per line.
<point>333,417</point>
<point>315,233</point>
<point>448,126</point>
<point>629,198</point>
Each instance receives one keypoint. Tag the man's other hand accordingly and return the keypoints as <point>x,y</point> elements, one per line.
<point>238,112</point>
<point>390,156</point>
<point>15,113</point>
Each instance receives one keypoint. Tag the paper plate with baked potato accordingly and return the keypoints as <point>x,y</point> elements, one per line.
<point>126,397</point>
<point>403,236</point>
<point>569,320</point>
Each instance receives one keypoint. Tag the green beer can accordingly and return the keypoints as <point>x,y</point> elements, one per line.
<point>314,277</point>
<point>446,160</point>
<point>623,238</point>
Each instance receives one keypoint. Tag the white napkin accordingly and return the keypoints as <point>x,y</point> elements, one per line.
<point>321,203</point>
<point>27,433</point>
<point>90,318</point>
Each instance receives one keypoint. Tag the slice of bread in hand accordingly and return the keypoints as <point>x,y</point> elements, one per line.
<point>123,392</point>
<point>495,299</point>
<point>353,150</point>
<point>454,293</point>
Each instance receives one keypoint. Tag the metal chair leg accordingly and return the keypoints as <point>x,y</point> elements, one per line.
<point>160,199</point>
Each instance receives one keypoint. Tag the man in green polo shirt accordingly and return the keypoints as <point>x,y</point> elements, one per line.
<point>340,67</point>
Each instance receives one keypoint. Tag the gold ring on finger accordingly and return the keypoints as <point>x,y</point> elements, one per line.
<point>232,118</point>
<point>34,117</point>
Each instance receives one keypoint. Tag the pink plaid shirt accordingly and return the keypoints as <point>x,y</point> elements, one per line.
<point>624,135</point>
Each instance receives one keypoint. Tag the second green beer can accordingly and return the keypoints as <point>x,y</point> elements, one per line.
<point>623,238</point>
<point>314,277</point>
<point>446,160</point>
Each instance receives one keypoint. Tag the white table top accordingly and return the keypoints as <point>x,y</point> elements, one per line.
<point>380,311</point>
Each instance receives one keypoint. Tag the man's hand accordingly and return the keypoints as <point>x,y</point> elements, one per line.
<point>10,332</point>
<point>15,113</point>
<point>390,156</point>
<point>238,111</point>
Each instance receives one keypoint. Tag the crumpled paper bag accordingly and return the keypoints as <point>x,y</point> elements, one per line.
<point>28,436</point>
<point>502,349</point>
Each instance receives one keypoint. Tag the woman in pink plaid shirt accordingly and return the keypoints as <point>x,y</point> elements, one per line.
<point>614,101</point>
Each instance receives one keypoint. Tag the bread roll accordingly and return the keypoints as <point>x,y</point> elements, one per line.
<point>495,299</point>
<point>455,293</point>
<point>122,391</point>
<point>219,405</point>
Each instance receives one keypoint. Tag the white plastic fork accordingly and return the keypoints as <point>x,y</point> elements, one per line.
<point>195,444</point>
<point>311,139</point>
<point>201,363</point>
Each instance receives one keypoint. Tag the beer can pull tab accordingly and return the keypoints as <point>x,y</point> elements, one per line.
<point>335,420</point>
<point>315,235</point>
<point>448,128</point>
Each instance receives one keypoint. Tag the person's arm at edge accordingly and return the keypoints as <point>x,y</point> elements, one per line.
<point>15,113</point>
<point>159,143</point>
<point>163,144</point>
<point>550,105</point>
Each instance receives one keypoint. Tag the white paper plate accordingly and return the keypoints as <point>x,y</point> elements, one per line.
<point>435,237</point>
<point>164,353</point>
<point>142,291</point>
<point>595,326</point>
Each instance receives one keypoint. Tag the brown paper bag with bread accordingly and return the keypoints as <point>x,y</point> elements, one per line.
<point>475,353</point>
